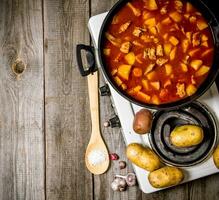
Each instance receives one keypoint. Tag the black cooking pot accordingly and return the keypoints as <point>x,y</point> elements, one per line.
<point>214,25</point>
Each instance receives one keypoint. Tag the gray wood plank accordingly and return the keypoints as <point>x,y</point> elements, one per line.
<point>21,111</point>
<point>114,140</point>
<point>205,188</point>
<point>67,107</point>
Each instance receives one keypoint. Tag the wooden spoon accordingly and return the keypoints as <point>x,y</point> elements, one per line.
<point>96,143</point>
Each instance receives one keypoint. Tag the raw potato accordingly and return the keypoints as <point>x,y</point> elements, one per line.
<point>143,157</point>
<point>216,157</point>
<point>186,136</point>
<point>165,177</point>
<point>142,121</point>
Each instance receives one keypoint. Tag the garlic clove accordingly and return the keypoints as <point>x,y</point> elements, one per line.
<point>122,183</point>
<point>115,186</point>
<point>117,180</point>
<point>122,189</point>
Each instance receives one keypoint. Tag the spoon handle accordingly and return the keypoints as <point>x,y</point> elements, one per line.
<point>94,102</point>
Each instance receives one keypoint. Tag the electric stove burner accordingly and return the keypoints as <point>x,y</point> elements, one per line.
<point>165,121</point>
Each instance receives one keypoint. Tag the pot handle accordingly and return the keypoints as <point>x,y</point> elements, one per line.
<point>90,58</point>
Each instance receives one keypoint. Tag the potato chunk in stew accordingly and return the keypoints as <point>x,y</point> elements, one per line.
<point>130,58</point>
<point>150,4</point>
<point>195,64</point>
<point>124,71</point>
<point>202,71</point>
<point>136,11</point>
<point>201,24</point>
<point>174,40</point>
<point>158,51</point>
<point>173,53</point>
<point>175,16</point>
<point>191,89</point>
<point>150,22</point>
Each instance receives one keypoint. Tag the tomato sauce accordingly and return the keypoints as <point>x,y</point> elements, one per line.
<point>158,51</point>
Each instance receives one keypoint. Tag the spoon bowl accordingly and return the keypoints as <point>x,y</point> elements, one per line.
<point>103,166</point>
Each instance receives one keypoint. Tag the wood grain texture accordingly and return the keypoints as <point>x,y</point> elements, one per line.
<point>205,188</point>
<point>21,111</point>
<point>67,106</point>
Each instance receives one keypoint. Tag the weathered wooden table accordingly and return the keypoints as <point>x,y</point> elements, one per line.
<point>44,112</point>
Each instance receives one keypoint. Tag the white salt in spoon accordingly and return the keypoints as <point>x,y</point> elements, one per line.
<point>96,156</point>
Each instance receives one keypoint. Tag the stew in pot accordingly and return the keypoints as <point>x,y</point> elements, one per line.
<point>158,51</point>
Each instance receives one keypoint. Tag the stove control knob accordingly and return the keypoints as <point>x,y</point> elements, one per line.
<point>104,90</point>
<point>113,122</point>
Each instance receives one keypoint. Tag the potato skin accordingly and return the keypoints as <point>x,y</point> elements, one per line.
<point>165,177</point>
<point>187,136</point>
<point>216,157</point>
<point>143,157</point>
<point>142,121</point>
